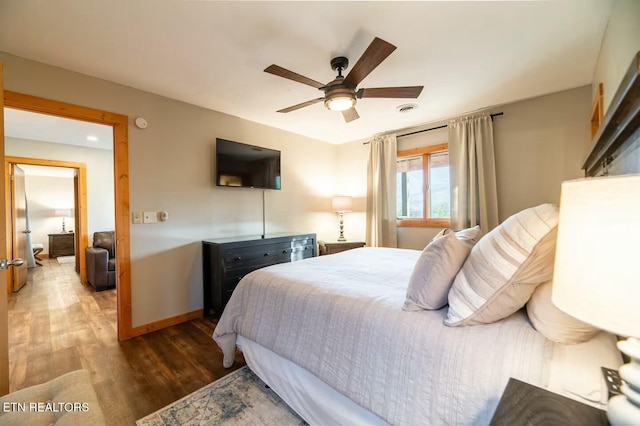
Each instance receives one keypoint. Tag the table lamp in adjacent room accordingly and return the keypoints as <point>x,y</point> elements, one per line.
<point>597,271</point>
<point>341,205</point>
<point>62,213</point>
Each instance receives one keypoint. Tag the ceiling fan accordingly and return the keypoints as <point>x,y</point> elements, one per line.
<point>341,94</point>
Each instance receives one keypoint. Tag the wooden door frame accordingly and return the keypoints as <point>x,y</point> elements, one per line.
<point>80,209</point>
<point>121,185</point>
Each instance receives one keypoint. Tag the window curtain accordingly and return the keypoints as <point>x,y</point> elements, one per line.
<point>381,192</point>
<point>474,199</point>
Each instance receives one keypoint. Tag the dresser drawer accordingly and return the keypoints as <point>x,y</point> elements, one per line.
<point>242,255</point>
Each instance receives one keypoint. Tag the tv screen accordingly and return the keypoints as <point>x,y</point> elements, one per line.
<point>249,166</point>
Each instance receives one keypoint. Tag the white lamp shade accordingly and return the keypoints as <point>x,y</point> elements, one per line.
<point>341,204</point>
<point>62,213</point>
<point>597,266</point>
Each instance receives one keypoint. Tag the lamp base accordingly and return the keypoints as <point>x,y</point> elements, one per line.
<point>341,238</point>
<point>624,409</point>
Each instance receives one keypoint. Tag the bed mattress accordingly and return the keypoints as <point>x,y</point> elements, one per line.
<point>340,319</point>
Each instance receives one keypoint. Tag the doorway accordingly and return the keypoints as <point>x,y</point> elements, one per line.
<point>119,123</point>
<point>79,210</point>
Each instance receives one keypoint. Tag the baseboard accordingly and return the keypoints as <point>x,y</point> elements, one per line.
<point>164,323</point>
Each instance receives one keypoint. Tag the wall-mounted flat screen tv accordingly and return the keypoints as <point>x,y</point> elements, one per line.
<point>248,166</point>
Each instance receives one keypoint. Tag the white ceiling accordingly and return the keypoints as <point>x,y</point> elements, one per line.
<point>468,55</point>
<point>42,127</point>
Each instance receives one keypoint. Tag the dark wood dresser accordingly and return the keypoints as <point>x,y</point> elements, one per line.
<point>226,261</point>
<point>62,244</point>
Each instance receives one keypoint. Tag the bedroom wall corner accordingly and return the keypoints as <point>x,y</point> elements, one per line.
<point>353,158</point>
<point>621,41</point>
<point>539,143</point>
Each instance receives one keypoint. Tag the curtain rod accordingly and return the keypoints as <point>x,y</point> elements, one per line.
<point>435,128</point>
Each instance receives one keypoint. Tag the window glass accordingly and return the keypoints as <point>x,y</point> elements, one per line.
<point>439,195</point>
<point>410,181</point>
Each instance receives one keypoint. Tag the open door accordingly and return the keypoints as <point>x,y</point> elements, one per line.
<point>19,211</point>
<point>4,317</point>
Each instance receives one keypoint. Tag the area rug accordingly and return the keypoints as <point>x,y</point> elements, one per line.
<point>66,259</point>
<point>239,398</point>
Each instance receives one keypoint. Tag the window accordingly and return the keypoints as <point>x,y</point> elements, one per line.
<point>423,187</point>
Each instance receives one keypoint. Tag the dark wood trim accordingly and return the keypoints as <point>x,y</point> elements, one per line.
<point>620,122</point>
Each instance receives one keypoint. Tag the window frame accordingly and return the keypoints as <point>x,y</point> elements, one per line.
<point>425,152</point>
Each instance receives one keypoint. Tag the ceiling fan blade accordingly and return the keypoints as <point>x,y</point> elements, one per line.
<point>377,52</point>
<point>282,72</point>
<point>350,114</point>
<point>302,105</point>
<point>390,92</point>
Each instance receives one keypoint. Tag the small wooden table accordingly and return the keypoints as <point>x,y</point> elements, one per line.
<point>331,247</point>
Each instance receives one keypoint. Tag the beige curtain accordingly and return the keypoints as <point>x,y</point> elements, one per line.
<point>474,199</point>
<point>381,192</point>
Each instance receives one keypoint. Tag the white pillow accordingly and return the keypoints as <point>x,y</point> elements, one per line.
<point>434,272</point>
<point>553,323</point>
<point>504,268</point>
<point>470,235</point>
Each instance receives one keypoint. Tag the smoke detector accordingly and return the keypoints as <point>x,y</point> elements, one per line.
<point>406,108</point>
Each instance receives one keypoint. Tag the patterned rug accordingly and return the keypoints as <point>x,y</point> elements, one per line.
<point>239,398</point>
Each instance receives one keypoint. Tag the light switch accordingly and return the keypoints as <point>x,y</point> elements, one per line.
<point>136,217</point>
<point>150,217</point>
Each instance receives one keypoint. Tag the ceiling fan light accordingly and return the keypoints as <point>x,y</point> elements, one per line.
<point>341,103</point>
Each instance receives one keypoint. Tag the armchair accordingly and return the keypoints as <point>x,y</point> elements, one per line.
<point>101,261</point>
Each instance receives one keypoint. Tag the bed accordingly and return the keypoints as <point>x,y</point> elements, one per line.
<point>329,335</point>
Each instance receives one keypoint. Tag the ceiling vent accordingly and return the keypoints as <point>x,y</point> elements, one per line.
<point>406,108</point>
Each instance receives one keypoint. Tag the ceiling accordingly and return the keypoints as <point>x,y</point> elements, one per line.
<point>468,55</point>
<point>42,127</point>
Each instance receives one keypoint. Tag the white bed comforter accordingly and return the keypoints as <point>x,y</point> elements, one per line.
<point>341,318</point>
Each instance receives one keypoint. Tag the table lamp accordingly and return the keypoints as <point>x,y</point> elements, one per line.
<point>62,213</point>
<point>341,205</point>
<point>597,271</point>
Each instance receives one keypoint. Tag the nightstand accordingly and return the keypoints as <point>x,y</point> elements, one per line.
<point>525,404</point>
<point>331,247</point>
<point>61,244</point>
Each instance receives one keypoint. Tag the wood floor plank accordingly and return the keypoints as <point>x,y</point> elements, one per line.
<point>57,325</point>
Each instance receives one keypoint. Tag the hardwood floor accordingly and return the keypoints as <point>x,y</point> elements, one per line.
<point>57,325</point>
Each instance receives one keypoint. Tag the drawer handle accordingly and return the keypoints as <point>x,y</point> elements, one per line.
<point>266,254</point>
<point>238,258</point>
<point>285,251</point>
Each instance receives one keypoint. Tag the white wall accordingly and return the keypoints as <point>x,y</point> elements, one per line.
<point>44,195</point>
<point>99,164</point>
<point>621,42</point>
<point>171,168</point>
<point>538,142</point>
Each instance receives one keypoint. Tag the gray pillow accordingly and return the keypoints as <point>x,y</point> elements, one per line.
<point>434,272</point>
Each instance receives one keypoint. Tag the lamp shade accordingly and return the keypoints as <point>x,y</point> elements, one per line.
<point>597,265</point>
<point>62,213</point>
<point>341,204</point>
